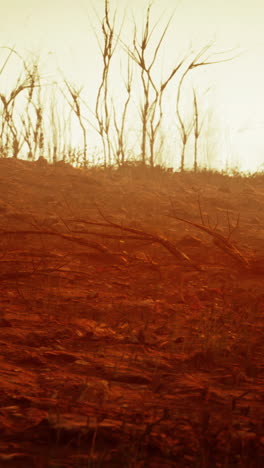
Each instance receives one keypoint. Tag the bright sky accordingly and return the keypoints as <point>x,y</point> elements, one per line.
<point>61,33</point>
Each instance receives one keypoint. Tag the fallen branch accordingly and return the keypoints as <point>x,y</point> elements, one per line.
<point>220,241</point>
<point>78,240</point>
<point>139,234</point>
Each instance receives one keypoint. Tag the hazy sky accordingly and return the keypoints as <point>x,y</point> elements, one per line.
<point>61,32</point>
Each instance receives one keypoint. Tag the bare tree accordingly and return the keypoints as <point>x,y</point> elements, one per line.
<point>12,137</point>
<point>151,107</point>
<point>56,131</point>
<point>185,130</point>
<point>120,149</point>
<point>197,127</point>
<point>199,60</point>
<point>33,130</point>
<point>102,109</point>
<point>75,105</point>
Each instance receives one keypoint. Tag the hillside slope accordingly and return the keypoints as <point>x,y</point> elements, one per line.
<point>131,318</point>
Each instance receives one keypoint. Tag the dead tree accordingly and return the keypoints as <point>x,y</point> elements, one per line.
<point>151,107</point>
<point>200,59</point>
<point>75,105</point>
<point>102,109</point>
<point>12,138</point>
<point>120,148</point>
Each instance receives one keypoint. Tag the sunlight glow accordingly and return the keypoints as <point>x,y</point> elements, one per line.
<point>63,33</point>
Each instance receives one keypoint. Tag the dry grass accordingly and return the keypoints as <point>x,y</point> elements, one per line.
<point>115,349</point>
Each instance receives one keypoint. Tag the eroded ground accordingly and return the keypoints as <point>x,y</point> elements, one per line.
<point>129,337</point>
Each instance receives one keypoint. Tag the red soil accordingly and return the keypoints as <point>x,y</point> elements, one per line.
<point>116,351</point>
